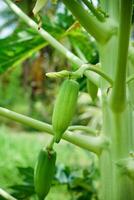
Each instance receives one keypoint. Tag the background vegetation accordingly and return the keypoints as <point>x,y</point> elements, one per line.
<point>24,59</point>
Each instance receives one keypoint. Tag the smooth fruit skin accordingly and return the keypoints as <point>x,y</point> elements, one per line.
<point>44,172</point>
<point>64,107</point>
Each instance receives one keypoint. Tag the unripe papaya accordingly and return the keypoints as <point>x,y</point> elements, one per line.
<point>44,172</point>
<point>64,107</point>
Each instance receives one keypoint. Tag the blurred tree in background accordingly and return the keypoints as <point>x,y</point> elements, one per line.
<point>25,58</point>
<point>28,57</point>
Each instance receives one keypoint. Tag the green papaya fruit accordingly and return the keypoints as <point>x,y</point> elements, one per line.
<point>44,172</point>
<point>64,107</point>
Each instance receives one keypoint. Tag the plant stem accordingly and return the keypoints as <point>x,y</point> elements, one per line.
<point>91,143</point>
<point>104,5</point>
<point>130,84</point>
<point>80,72</point>
<point>130,78</point>
<point>98,71</point>
<point>126,166</point>
<point>131,54</point>
<point>85,129</point>
<point>101,31</point>
<point>94,10</point>
<point>114,9</point>
<point>5,195</point>
<point>50,39</point>
<point>118,97</point>
<point>116,125</point>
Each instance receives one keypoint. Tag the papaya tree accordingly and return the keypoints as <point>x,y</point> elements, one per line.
<point>109,23</point>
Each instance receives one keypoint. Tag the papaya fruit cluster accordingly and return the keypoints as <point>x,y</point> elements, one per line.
<point>62,116</point>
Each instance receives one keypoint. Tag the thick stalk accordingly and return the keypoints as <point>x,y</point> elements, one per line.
<point>114,9</point>
<point>94,10</point>
<point>115,185</point>
<point>118,98</point>
<point>101,31</point>
<point>104,5</point>
<point>111,8</point>
<point>116,126</point>
<point>131,83</point>
<point>131,90</point>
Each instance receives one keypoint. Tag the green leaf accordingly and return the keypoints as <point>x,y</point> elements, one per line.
<point>23,43</point>
<point>17,48</point>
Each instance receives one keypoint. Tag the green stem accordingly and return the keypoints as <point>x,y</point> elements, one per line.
<point>126,166</point>
<point>90,143</point>
<point>50,39</point>
<point>118,98</point>
<point>6,195</point>
<point>131,53</point>
<point>114,9</point>
<point>130,78</point>
<point>83,70</point>
<point>78,50</point>
<point>84,129</point>
<point>130,84</point>
<point>94,10</point>
<point>93,77</point>
<point>101,31</point>
<point>50,144</point>
<point>98,71</point>
<point>104,4</point>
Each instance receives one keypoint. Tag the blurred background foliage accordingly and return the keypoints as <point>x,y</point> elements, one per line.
<point>25,58</point>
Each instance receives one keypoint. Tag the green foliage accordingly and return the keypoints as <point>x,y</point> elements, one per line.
<point>64,19</point>
<point>81,184</point>
<point>17,149</point>
<point>84,46</point>
<point>23,44</point>
<point>26,188</point>
<point>14,49</point>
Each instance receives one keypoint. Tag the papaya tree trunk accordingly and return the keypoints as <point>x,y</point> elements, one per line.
<point>116,168</point>
<point>117,111</point>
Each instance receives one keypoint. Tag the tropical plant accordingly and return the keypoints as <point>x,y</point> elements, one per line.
<point>109,23</point>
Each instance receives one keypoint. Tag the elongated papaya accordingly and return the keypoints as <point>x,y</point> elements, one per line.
<point>64,107</point>
<point>44,172</point>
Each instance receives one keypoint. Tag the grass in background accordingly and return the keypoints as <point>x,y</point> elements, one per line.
<point>21,149</point>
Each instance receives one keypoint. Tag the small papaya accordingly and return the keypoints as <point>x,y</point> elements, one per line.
<point>64,107</point>
<point>44,172</point>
